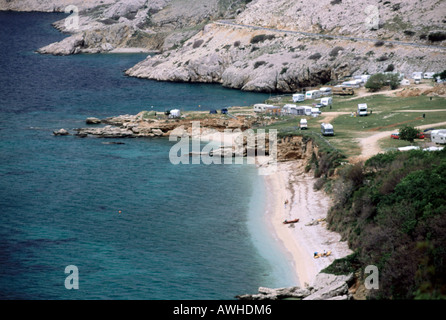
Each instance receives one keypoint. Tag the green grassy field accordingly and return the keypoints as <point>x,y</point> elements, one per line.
<point>387,114</point>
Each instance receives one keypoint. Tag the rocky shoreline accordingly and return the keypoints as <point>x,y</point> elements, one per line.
<point>325,287</point>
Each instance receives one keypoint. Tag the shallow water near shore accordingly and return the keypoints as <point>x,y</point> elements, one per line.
<point>136,226</point>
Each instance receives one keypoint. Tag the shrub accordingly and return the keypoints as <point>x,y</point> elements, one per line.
<point>409,33</point>
<point>403,231</point>
<point>197,43</point>
<point>442,75</point>
<point>436,36</point>
<point>261,37</point>
<point>382,58</point>
<point>390,68</point>
<point>258,64</point>
<point>408,133</point>
<point>237,43</point>
<point>284,70</point>
<point>335,51</point>
<point>315,56</point>
<point>379,43</point>
<point>335,2</point>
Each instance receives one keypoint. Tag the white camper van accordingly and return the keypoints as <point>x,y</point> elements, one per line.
<point>303,124</point>
<point>313,94</point>
<point>261,107</point>
<point>327,129</point>
<point>362,109</point>
<point>298,97</point>
<point>417,79</point>
<point>327,101</point>
<point>438,136</point>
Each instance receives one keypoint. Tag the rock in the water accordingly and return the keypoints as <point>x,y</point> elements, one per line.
<point>61,132</point>
<point>92,120</point>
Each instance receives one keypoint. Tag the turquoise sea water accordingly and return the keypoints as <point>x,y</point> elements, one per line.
<point>184,232</point>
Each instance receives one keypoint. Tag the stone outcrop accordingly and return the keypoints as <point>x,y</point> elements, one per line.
<point>61,132</point>
<point>142,25</point>
<point>325,287</point>
<point>50,5</point>
<point>93,120</point>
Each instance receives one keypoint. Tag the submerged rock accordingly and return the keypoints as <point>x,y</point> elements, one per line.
<point>61,132</point>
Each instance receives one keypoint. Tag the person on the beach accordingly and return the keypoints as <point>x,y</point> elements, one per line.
<point>285,203</point>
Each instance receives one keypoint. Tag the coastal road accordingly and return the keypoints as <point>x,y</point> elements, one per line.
<point>232,23</point>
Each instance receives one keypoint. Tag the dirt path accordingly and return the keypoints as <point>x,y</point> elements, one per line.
<point>370,144</point>
<point>330,116</point>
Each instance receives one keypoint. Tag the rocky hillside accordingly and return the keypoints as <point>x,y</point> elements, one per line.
<point>50,5</point>
<point>259,59</point>
<point>394,19</point>
<point>269,45</point>
<point>147,25</point>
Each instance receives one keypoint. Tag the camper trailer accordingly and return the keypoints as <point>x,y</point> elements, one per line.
<point>289,109</point>
<point>315,112</point>
<point>325,91</point>
<point>417,75</point>
<point>438,136</point>
<point>405,82</point>
<point>362,109</point>
<point>428,75</point>
<point>261,107</point>
<point>352,83</point>
<point>313,94</point>
<point>327,101</point>
<point>307,110</point>
<point>303,124</point>
<point>298,97</point>
<point>327,129</point>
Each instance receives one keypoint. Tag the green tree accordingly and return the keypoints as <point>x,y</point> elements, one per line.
<point>379,80</point>
<point>442,75</point>
<point>393,80</point>
<point>408,133</point>
<point>375,82</point>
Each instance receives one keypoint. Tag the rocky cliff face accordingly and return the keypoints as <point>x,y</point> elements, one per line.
<point>148,25</point>
<point>268,60</point>
<point>259,60</point>
<point>50,5</point>
<point>394,19</point>
<point>295,51</point>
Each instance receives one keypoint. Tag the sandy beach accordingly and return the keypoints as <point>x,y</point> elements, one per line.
<point>288,181</point>
<point>308,235</point>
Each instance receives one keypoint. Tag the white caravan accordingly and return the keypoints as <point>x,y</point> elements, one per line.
<point>438,136</point>
<point>313,94</point>
<point>327,101</point>
<point>298,97</point>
